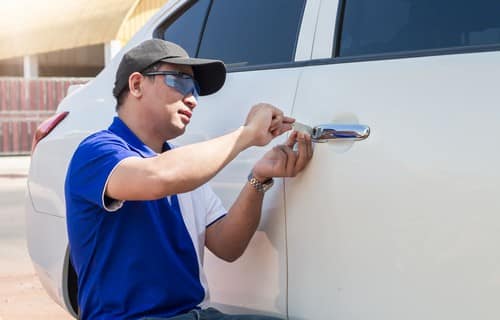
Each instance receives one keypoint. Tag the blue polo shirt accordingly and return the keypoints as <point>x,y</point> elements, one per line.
<point>133,258</point>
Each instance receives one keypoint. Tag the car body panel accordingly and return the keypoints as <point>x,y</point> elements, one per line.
<point>307,31</point>
<point>403,225</point>
<point>264,290</point>
<point>325,29</point>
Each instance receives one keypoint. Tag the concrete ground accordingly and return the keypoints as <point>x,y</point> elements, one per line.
<point>21,293</point>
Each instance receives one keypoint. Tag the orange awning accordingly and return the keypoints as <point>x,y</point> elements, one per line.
<point>30,27</point>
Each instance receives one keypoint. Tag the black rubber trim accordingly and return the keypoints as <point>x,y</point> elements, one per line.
<point>376,57</point>
<point>202,33</point>
<point>158,32</point>
<point>339,22</point>
<point>301,19</point>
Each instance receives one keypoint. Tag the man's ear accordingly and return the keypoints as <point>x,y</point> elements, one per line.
<point>135,84</point>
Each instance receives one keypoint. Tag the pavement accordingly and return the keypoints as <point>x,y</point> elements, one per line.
<point>22,296</point>
<point>14,166</point>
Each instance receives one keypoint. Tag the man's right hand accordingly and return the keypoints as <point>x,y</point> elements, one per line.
<point>265,122</point>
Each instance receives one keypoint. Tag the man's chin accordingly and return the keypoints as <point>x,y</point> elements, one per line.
<point>181,129</point>
<point>175,132</point>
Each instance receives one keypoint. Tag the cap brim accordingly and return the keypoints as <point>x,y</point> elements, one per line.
<point>210,74</point>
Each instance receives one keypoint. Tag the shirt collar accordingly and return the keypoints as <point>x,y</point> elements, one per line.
<point>119,128</point>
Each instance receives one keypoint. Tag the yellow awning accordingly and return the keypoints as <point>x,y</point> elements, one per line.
<point>30,27</point>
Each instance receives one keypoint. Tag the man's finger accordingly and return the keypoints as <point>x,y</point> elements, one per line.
<point>290,142</point>
<point>288,119</point>
<point>303,154</point>
<point>309,146</point>
<point>290,160</point>
<point>285,127</point>
<point>279,130</point>
<point>276,123</point>
<point>282,158</point>
<point>275,133</point>
<point>276,112</point>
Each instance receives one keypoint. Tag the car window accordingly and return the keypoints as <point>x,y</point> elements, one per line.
<point>385,26</point>
<point>186,29</point>
<point>246,33</point>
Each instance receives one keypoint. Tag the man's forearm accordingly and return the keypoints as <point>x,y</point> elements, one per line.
<point>176,171</point>
<point>190,166</point>
<point>229,237</point>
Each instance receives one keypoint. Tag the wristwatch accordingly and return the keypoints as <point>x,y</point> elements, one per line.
<point>261,187</point>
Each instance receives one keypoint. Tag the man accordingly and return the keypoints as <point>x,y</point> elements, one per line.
<point>139,212</point>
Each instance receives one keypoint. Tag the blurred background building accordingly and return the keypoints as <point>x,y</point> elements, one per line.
<point>45,46</point>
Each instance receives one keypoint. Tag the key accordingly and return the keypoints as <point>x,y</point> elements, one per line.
<point>300,127</point>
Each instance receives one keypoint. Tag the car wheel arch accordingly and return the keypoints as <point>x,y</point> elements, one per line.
<point>70,286</point>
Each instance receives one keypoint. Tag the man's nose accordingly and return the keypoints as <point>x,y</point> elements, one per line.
<point>190,101</point>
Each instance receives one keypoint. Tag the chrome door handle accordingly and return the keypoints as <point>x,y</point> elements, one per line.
<point>329,132</point>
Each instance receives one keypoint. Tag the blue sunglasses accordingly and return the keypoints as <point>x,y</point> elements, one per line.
<point>182,82</point>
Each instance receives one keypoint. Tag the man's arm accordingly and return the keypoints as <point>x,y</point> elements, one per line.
<point>186,168</point>
<point>229,237</point>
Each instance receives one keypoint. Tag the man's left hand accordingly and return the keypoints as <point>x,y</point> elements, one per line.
<point>283,160</point>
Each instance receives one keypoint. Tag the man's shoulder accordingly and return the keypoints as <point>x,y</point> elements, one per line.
<point>99,140</point>
<point>101,136</point>
<point>98,145</point>
<point>97,153</point>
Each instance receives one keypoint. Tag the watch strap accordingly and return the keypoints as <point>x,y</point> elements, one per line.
<point>261,187</point>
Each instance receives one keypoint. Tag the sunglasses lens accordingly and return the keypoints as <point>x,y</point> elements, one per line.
<point>185,85</point>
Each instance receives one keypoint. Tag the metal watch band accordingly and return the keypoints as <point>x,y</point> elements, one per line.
<point>261,187</point>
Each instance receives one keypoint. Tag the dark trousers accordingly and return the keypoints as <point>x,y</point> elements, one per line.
<point>212,314</point>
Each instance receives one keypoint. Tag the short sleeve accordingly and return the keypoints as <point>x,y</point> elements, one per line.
<point>213,205</point>
<point>91,166</point>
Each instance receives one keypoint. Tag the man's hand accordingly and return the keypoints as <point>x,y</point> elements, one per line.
<point>265,122</point>
<point>283,161</point>
<point>229,237</point>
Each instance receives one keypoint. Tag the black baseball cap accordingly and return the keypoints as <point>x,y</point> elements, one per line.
<point>210,74</point>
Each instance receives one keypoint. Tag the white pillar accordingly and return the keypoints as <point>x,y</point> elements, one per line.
<point>30,67</point>
<point>111,48</point>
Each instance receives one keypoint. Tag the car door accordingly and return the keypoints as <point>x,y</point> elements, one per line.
<point>404,224</point>
<point>260,51</point>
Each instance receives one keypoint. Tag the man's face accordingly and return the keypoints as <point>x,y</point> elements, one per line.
<point>168,109</point>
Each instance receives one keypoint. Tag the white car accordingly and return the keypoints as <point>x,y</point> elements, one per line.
<point>404,224</point>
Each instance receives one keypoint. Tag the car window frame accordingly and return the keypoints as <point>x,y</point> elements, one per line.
<point>399,54</point>
<point>171,18</point>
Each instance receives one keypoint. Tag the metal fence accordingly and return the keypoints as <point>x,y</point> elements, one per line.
<point>24,104</point>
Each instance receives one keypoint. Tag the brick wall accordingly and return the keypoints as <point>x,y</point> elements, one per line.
<point>24,104</point>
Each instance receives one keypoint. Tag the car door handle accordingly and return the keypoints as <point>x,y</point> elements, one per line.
<point>332,132</point>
